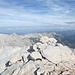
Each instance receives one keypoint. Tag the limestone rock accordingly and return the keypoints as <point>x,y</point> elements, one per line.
<point>40,71</point>
<point>15,58</point>
<point>39,46</point>
<point>2,67</point>
<point>52,54</point>
<point>44,39</point>
<point>27,69</point>
<point>16,71</point>
<point>66,73</point>
<point>66,54</point>
<point>24,54</point>
<point>60,67</point>
<point>59,44</point>
<point>53,73</point>
<point>10,70</point>
<point>35,55</point>
<point>52,40</point>
<point>58,54</point>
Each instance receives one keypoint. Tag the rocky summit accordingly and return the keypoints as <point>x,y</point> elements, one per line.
<point>45,57</point>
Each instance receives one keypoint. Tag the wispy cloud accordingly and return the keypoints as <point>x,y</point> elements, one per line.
<point>2,3</point>
<point>36,13</point>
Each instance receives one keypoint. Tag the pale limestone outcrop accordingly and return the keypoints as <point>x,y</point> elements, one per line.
<point>53,54</point>
<point>35,55</point>
<point>2,67</point>
<point>39,46</point>
<point>15,58</point>
<point>46,57</point>
<point>45,39</point>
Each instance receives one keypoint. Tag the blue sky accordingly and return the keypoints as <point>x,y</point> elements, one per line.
<point>52,14</point>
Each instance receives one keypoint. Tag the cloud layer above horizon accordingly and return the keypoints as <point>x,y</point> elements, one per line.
<point>43,13</point>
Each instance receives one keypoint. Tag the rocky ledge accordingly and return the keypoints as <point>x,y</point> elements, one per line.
<point>46,57</point>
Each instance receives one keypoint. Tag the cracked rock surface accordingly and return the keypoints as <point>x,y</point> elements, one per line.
<point>46,57</point>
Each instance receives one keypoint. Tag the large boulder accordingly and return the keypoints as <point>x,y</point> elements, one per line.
<point>35,55</point>
<point>58,54</point>
<point>52,54</point>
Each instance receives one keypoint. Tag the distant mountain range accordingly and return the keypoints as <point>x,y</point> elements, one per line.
<point>68,38</point>
<point>64,37</point>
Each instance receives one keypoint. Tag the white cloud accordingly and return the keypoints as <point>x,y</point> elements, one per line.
<point>22,16</point>
<point>15,17</point>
